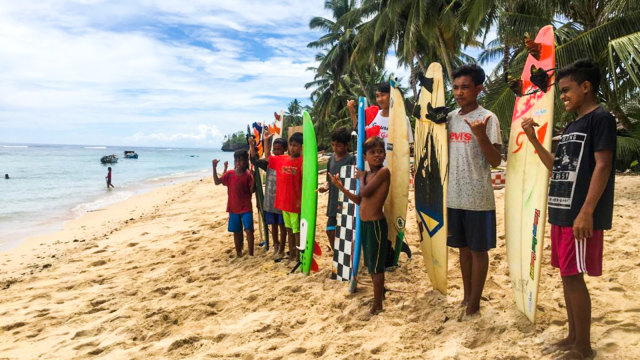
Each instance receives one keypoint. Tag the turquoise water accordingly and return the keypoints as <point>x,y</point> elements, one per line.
<point>52,183</point>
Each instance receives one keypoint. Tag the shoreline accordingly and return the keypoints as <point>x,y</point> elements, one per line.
<point>56,222</point>
<point>156,277</point>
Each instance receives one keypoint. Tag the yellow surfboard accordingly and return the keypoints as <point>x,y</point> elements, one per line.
<point>395,207</point>
<point>432,174</point>
<point>527,181</point>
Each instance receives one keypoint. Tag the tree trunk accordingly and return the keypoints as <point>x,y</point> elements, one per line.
<point>444,55</point>
<point>414,76</point>
<point>364,89</point>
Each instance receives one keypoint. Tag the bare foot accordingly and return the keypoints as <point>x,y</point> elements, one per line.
<point>570,355</point>
<point>375,310</point>
<point>560,345</point>
<point>472,309</point>
<point>464,302</point>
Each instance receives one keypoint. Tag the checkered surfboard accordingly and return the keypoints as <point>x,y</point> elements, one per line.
<point>345,228</point>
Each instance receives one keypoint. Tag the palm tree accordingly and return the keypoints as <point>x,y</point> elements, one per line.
<point>606,31</point>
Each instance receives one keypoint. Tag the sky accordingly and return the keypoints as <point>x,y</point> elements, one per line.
<point>151,72</point>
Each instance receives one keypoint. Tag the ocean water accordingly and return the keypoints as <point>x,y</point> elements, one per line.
<point>50,184</point>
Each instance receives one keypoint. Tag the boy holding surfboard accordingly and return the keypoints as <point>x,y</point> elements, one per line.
<point>272,215</point>
<point>474,146</point>
<point>373,193</point>
<point>288,170</point>
<point>580,196</point>
<point>340,139</point>
<point>240,186</point>
<point>377,117</point>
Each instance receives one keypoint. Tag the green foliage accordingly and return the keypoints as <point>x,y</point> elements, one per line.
<point>235,141</point>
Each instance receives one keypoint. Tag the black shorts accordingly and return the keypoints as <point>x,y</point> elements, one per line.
<point>473,229</point>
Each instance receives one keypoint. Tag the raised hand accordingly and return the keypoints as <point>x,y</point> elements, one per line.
<point>528,125</point>
<point>215,162</point>
<point>479,127</point>
<point>335,179</point>
<point>226,165</point>
<point>360,173</point>
<point>351,104</point>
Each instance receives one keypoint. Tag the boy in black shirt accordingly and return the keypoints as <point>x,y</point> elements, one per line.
<point>580,196</point>
<point>340,139</point>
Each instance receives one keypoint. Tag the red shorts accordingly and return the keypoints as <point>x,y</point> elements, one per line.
<point>573,256</point>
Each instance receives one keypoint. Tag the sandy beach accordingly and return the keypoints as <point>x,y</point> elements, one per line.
<point>156,277</point>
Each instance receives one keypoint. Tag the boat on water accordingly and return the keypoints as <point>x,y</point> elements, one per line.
<point>109,159</point>
<point>130,154</point>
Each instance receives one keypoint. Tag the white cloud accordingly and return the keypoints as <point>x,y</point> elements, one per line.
<point>114,67</point>
<point>207,133</point>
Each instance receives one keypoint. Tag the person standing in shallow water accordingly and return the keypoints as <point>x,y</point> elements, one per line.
<point>108,177</point>
<point>6,176</point>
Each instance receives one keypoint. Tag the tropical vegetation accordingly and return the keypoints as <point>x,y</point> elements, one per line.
<point>360,35</point>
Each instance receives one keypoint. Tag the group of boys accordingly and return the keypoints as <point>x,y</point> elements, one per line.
<point>580,193</point>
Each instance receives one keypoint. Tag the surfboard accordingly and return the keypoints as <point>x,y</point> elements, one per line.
<point>432,173</point>
<point>276,128</point>
<point>395,207</point>
<point>527,180</point>
<point>263,228</point>
<point>345,227</point>
<point>357,241</point>
<point>309,205</point>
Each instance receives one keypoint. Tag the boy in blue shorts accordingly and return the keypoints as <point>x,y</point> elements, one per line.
<point>272,215</point>
<point>580,196</point>
<point>239,183</point>
<point>474,146</point>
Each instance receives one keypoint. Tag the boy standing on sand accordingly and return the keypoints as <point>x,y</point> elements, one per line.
<point>289,190</point>
<point>580,196</point>
<point>239,183</point>
<point>377,117</point>
<point>272,215</point>
<point>373,193</point>
<point>108,178</point>
<point>474,146</point>
<point>340,139</point>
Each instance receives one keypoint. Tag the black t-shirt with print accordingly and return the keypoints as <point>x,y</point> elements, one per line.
<point>573,166</point>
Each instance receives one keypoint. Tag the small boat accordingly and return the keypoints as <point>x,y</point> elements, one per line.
<point>130,154</point>
<point>109,159</point>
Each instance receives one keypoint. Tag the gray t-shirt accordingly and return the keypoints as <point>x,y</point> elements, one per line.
<point>270,192</point>
<point>469,172</point>
<point>333,167</point>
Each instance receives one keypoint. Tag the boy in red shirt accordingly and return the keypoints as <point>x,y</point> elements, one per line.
<point>240,186</point>
<point>289,189</point>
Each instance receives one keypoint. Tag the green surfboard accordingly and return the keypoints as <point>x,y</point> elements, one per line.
<point>309,205</point>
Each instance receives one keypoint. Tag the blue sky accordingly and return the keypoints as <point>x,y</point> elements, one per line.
<point>150,72</point>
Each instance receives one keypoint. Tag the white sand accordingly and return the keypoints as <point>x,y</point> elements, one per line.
<point>155,277</point>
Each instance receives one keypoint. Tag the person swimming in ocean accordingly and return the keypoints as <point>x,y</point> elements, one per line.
<point>6,176</point>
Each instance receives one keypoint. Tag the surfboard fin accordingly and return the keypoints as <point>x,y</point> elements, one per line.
<point>437,115</point>
<point>425,82</point>
<point>514,84</point>
<point>540,78</point>
<point>406,249</point>
<point>533,48</point>
<point>316,249</point>
<point>314,265</point>
<point>276,115</point>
